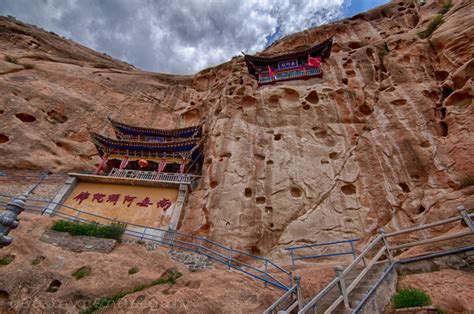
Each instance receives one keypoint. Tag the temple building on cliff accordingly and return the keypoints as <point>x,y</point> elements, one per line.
<point>294,65</point>
<point>152,154</point>
<point>143,178</point>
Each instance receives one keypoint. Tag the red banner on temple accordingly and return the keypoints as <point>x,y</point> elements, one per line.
<point>314,62</point>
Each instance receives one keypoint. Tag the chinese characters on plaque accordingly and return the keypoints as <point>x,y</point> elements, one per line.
<point>128,200</point>
<point>287,64</point>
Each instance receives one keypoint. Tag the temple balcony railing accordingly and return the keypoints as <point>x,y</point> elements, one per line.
<point>290,75</point>
<point>152,176</point>
<point>150,139</point>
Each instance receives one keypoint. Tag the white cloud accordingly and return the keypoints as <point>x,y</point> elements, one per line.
<point>180,37</point>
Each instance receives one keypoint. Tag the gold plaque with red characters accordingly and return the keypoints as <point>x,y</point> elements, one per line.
<point>149,206</point>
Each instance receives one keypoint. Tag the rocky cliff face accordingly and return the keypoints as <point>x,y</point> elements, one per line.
<point>384,139</point>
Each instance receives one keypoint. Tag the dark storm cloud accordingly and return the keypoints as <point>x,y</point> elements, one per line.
<point>173,36</point>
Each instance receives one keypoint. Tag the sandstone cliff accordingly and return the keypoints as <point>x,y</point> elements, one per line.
<point>384,139</point>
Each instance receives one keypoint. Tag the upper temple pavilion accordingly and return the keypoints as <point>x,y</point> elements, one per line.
<point>294,65</point>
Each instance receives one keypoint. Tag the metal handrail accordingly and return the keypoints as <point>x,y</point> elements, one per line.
<point>294,257</point>
<point>282,298</point>
<point>320,244</point>
<point>386,249</point>
<point>161,236</point>
<point>351,266</point>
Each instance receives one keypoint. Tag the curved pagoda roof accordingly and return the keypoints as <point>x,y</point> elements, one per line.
<point>106,145</point>
<point>321,49</point>
<point>127,129</point>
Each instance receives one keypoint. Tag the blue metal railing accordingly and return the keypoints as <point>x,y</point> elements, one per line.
<point>295,257</point>
<point>271,274</point>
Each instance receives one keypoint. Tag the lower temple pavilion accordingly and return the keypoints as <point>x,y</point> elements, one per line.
<point>143,179</point>
<point>151,151</point>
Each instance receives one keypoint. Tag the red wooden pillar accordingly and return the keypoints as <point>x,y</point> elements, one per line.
<point>124,163</point>
<point>101,164</point>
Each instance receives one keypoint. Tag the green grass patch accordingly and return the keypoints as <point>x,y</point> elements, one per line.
<point>7,259</point>
<point>82,272</point>
<point>383,51</point>
<point>446,7</point>
<point>133,270</point>
<point>38,260</point>
<point>438,20</point>
<point>410,297</point>
<point>92,229</point>
<point>10,59</point>
<point>169,278</point>
<point>101,66</point>
<point>28,66</point>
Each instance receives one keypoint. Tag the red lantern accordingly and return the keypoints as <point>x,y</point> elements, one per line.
<point>143,163</point>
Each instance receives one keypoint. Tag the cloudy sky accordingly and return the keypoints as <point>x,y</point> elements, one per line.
<point>179,36</point>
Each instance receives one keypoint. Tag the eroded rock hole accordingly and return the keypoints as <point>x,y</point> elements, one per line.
<point>213,184</point>
<point>259,157</point>
<point>441,75</point>
<point>248,192</point>
<point>365,109</point>
<point>399,102</point>
<point>268,209</point>
<point>306,107</point>
<point>354,45</point>
<point>24,117</point>
<point>4,298</point>
<point>446,91</point>
<point>270,162</point>
<point>348,189</point>
<point>295,191</point>
<point>404,187</point>
<point>56,116</point>
<point>271,225</point>
<point>312,97</point>
<point>3,138</point>
<point>443,129</point>
<point>333,155</point>
<point>421,209</point>
<point>54,286</point>
<point>2,111</point>
<point>442,113</point>
<point>277,137</point>
<point>345,81</point>
<point>260,200</point>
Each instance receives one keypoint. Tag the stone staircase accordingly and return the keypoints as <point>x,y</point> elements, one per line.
<point>358,293</point>
<point>193,261</point>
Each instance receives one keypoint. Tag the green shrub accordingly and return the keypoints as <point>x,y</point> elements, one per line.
<point>133,270</point>
<point>101,66</point>
<point>384,51</point>
<point>410,297</point>
<point>446,7</point>
<point>10,59</point>
<point>91,229</point>
<point>7,259</point>
<point>28,66</point>
<point>438,20</point>
<point>82,272</point>
<point>104,302</point>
